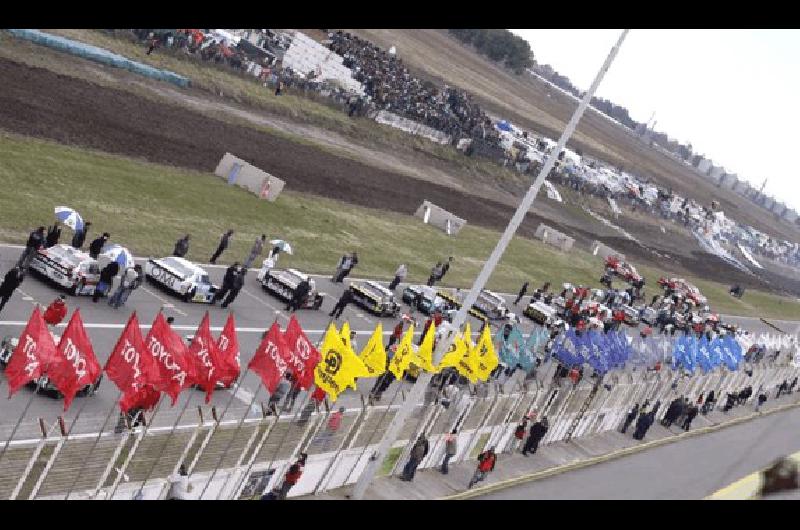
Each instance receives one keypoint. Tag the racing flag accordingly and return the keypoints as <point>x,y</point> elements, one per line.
<point>425,352</point>
<point>339,366</point>
<point>404,355</point>
<point>203,353</point>
<point>374,355</point>
<point>303,357</point>
<point>453,356</point>
<point>131,370</point>
<point>345,334</point>
<point>75,364</point>
<point>484,355</point>
<point>35,351</point>
<point>228,363</point>
<point>145,398</point>
<point>269,361</point>
<point>176,370</point>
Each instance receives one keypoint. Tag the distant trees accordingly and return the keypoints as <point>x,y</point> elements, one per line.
<point>499,45</point>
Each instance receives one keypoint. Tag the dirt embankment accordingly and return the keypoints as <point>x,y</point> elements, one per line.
<point>41,103</point>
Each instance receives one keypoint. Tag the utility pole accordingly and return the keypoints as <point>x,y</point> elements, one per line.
<point>450,330</point>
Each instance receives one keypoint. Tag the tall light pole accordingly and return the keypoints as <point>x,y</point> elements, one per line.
<point>449,330</point>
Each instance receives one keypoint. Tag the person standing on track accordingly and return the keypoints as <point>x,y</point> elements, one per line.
<point>107,276</point>
<point>299,296</point>
<point>227,281</point>
<point>10,283</point>
<point>223,244</point>
<point>53,234</point>
<point>36,240</point>
<point>399,276</point>
<point>346,298</point>
<point>131,281</point>
<point>80,235</point>
<point>436,273</point>
<point>98,244</point>
<point>523,290</point>
<point>255,251</point>
<point>236,286</point>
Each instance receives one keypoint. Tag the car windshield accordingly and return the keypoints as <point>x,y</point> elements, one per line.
<point>66,254</point>
<point>179,267</point>
<point>374,290</point>
<point>204,279</point>
<point>491,298</point>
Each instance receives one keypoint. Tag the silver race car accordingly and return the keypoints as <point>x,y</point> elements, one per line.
<point>282,283</point>
<point>68,267</point>
<point>181,277</point>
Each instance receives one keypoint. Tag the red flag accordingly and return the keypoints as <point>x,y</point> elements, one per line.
<point>269,360</point>
<point>228,353</point>
<point>203,352</point>
<point>35,351</point>
<point>302,356</point>
<point>75,365</point>
<point>175,369</point>
<point>144,398</point>
<point>128,367</point>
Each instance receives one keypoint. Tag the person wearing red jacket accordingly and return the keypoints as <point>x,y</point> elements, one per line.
<point>56,311</point>
<point>292,476</point>
<point>486,462</point>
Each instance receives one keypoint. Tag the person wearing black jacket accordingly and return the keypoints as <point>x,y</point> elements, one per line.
<point>537,432</point>
<point>346,298</point>
<point>36,240</point>
<point>53,233</point>
<point>10,283</point>
<point>299,296</point>
<point>629,418</point>
<point>522,291</point>
<point>690,415</point>
<point>106,280</point>
<point>181,247</point>
<point>223,244</point>
<point>80,235</point>
<point>238,283</point>
<point>98,244</point>
<point>227,281</point>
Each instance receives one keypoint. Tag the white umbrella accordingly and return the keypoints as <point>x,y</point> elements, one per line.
<point>283,245</point>
<point>69,217</point>
<point>118,253</point>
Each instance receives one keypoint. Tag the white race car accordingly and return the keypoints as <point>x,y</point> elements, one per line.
<point>68,267</point>
<point>182,277</point>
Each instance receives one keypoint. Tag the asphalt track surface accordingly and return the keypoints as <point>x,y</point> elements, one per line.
<point>254,311</point>
<point>692,468</point>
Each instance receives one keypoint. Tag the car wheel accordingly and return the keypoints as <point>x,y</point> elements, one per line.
<point>317,303</point>
<point>77,288</point>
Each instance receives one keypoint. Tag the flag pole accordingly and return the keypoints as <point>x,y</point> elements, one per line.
<point>166,443</point>
<point>94,445</point>
<point>224,453</point>
<point>21,416</point>
<point>524,207</point>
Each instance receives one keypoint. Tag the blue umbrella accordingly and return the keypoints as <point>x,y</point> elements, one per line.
<point>120,254</point>
<point>69,217</point>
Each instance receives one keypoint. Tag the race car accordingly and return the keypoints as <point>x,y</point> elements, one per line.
<point>42,385</point>
<point>493,306</point>
<point>649,316</point>
<point>453,304</point>
<point>683,288</point>
<point>422,298</point>
<point>541,313</point>
<point>631,315</point>
<point>375,298</point>
<point>622,269</point>
<point>68,267</point>
<point>182,277</point>
<point>282,283</point>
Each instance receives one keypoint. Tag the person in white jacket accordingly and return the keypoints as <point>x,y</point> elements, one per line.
<point>179,486</point>
<point>270,263</point>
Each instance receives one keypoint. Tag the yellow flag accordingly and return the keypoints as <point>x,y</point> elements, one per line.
<point>404,355</point>
<point>373,355</point>
<point>485,355</point>
<point>454,355</point>
<point>468,336</point>
<point>338,367</point>
<point>345,334</point>
<point>425,352</point>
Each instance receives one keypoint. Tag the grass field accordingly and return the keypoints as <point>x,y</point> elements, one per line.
<point>147,207</point>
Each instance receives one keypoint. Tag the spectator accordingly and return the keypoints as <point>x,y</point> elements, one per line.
<point>227,281</point>
<point>415,457</point>
<point>450,450</point>
<point>283,388</point>
<point>56,311</point>
<point>629,418</point>
<point>519,434</point>
<point>238,283</point>
<point>255,251</point>
<point>36,241</point>
<point>131,280</point>
<point>299,296</point>
<point>223,244</point>
<point>346,298</point>
<point>436,273</point>
<point>292,476</point>
<point>486,462</point>
<point>179,485</point>
<point>537,432</point>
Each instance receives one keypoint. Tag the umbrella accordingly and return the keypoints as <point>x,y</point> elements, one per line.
<point>283,245</point>
<point>119,254</point>
<point>69,217</point>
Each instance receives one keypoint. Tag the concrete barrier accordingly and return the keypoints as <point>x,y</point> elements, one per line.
<point>440,218</point>
<point>237,171</point>
<point>553,237</point>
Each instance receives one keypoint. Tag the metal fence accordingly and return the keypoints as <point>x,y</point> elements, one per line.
<point>246,458</point>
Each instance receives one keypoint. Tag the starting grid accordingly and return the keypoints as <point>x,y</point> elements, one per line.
<point>249,456</point>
